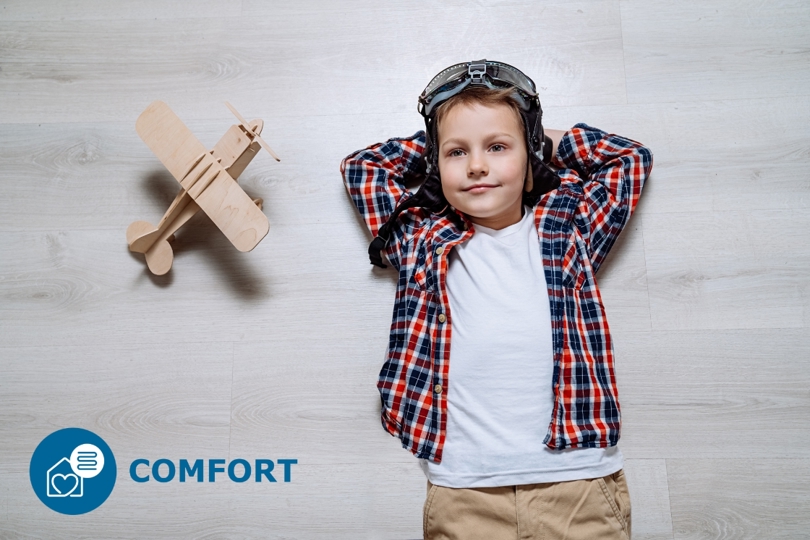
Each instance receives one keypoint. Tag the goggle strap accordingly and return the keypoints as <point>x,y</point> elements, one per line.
<point>384,234</point>
<point>374,250</point>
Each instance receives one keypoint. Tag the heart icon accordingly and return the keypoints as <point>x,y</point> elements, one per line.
<point>65,484</point>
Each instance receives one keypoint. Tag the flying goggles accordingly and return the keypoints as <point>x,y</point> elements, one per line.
<point>495,75</point>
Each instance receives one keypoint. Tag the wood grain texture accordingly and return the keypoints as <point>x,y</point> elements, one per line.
<point>143,398</point>
<point>197,63</point>
<point>742,255</point>
<point>696,394</point>
<point>55,288</point>
<point>734,154</point>
<point>739,498</point>
<point>275,353</point>
<point>20,10</point>
<point>649,498</point>
<point>715,50</point>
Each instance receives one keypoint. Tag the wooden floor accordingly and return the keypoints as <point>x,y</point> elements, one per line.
<point>275,353</point>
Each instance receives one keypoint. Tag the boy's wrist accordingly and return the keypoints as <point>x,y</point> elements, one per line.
<point>556,136</point>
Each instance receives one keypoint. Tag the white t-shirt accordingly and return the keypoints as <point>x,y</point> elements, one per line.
<point>499,393</point>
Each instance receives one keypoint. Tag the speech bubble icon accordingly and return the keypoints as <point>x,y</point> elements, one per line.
<point>87,460</point>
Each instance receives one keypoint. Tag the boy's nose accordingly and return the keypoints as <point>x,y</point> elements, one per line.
<point>477,166</point>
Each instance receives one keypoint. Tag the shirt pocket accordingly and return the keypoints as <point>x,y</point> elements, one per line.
<point>418,278</point>
<point>419,272</point>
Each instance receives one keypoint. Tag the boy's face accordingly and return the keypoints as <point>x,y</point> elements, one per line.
<point>483,163</point>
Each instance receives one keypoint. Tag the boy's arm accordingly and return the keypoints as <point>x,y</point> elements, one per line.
<point>556,136</point>
<point>375,177</point>
<point>610,173</point>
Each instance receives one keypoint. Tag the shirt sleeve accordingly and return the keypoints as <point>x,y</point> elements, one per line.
<point>375,177</point>
<point>607,173</point>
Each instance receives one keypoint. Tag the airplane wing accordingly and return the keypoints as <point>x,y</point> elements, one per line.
<point>211,187</point>
<point>226,203</point>
<point>169,138</point>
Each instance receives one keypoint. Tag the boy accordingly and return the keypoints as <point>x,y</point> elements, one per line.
<point>516,425</point>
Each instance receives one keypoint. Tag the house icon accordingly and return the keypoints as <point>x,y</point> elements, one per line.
<point>63,482</point>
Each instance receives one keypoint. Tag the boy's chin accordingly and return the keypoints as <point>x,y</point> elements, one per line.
<point>490,211</point>
<point>503,217</point>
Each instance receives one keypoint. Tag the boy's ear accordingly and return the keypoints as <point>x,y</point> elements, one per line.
<point>528,185</point>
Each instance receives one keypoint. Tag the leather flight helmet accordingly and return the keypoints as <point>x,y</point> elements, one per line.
<point>446,84</point>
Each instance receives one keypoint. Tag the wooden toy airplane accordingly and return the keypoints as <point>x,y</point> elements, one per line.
<point>207,180</point>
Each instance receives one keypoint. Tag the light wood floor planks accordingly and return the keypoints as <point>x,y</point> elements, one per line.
<point>275,353</point>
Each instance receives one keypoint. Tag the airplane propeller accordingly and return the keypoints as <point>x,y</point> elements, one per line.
<point>253,133</point>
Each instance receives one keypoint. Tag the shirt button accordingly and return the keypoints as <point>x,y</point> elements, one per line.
<point>437,389</point>
<point>442,317</point>
<point>439,250</point>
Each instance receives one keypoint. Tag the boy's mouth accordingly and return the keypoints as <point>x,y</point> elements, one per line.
<point>481,187</point>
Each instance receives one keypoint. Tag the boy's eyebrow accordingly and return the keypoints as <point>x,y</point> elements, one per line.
<point>453,141</point>
<point>456,140</point>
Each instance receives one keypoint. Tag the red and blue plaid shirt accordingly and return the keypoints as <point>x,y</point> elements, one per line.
<point>601,176</point>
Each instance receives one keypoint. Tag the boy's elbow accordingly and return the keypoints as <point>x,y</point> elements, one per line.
<point>353,173</point>
<point>645,161</point>
<point>638,160</point>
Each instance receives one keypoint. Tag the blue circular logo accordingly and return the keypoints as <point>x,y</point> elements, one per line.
<point>72,471</point>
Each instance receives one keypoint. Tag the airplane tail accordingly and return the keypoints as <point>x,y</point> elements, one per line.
<point>159,257</point>
<point>141,235</point>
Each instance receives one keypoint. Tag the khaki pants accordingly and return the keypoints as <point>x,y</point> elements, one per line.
<point>592,509</point>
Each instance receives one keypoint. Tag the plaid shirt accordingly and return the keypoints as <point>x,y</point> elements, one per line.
<point>601,179</point>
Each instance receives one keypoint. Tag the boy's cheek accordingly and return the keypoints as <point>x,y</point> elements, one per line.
<point>453,176</point>
<point>452,192</point>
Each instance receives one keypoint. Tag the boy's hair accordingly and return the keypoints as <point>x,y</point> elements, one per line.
<point>483,96</point>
